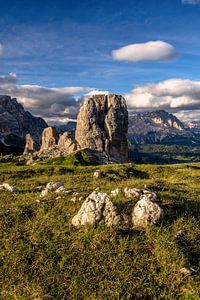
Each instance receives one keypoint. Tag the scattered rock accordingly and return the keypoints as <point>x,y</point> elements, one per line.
<point>146,211</point>
<point>98,174</point>
<point>102,125</point>
<point>61,190</point>
<point>52,187</point>
<point>151,196</point>
<point>185,271</point>
<point>115,192</point>
<point>8,187</point>
<point>132,192</point>
<point>180,235</point>
<point>97,208</point>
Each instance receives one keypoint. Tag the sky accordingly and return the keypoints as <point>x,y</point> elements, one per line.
<point>54,52</point>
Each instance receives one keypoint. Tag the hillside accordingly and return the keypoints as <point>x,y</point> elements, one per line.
<point>44,257</point>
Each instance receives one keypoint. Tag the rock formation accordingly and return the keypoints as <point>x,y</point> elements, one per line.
<point>15,123</point>
<point>30,146</point>
<point>102,125</point>
<point>49,138</point>
<point>147,211</point>
<point>67,142</point>
<point>97,208</point>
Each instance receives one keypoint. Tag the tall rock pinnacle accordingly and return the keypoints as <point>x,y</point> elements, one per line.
<point>102,125</point>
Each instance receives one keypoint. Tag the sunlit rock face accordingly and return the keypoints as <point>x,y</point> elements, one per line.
<point>102,125</point>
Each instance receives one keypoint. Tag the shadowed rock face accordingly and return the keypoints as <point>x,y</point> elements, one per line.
<point>15,123</point>
<point>102,125</point>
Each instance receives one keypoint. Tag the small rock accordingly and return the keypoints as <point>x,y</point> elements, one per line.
<point>185,271</point>
<point>44,192</point>
<point>98,174</point>
<point>146,212</point>
<point>37,201</point>
<point>8,187</point>
<point>52,186</point>
<point>115,193</point>
<point>132,192</point>
<point>151,196</point>
<point>97,208</point>
<point>180,235</point>
<point>58,198</point>
<point>61,190</point>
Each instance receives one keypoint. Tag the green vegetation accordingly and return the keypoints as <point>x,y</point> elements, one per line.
<point>44,257</point>
<point>163,154</point>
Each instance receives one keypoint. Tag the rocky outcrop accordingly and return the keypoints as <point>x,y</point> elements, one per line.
<point>30,146</point>
<point>49,138</point>
<point>67,142</point>
<point>97,208</point>
<point>147,211</point>
<point>102,125</point>
<point>15,123</point>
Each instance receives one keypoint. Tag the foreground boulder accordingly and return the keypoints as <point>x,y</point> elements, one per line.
<point>97,208</point>
<point>102,125</point>
<point>147,211</point>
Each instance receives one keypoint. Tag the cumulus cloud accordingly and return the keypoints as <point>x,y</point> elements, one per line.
<point>96,92</point>
<point>172,94</point>
<point>1,49</point>
<point>49,103</point>
<point>150,51</point>
<point>191,2</point>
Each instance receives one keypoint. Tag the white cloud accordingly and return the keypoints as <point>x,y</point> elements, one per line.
<point>175,94</point>
<point>49,103</point>
<point>151,51</point>
<point>191,2</point>
<point>97,92</point>
<point>1,49</point>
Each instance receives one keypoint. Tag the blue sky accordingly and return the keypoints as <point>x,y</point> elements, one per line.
<point>55,44</point>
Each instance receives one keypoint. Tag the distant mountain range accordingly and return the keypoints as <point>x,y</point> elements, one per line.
<point>157,127</point>
<point>161,127</point>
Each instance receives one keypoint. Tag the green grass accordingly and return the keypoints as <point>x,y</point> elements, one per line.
<point>44,257</point>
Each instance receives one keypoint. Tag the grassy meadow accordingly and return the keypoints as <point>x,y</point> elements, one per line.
<point>44,257</point>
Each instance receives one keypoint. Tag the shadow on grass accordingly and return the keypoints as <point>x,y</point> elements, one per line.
<point>126,173</point>
<point>189,208</point>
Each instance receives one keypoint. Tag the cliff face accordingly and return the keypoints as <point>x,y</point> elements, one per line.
<point>102,125</point>
<point>158,127</point>
<point>15,123</point>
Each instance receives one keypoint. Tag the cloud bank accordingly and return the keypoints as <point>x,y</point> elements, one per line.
<point>150,51</point>
<point>191,2</point>
<point>172,94</point>
<point>53,104</point>
<point>1,49</point>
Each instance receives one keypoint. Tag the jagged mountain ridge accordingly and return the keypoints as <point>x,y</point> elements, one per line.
<point>15,123</point>
<point>160,127</point>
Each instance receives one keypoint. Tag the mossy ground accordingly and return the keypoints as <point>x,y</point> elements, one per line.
<point>44,257</point>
